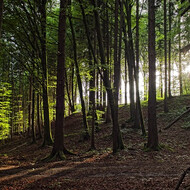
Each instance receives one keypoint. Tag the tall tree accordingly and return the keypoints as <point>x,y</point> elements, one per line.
<point>169,50</point>
<point>58,146</point>
<point>165,59</point>
<point>152,124</point>
<point>138,114</point>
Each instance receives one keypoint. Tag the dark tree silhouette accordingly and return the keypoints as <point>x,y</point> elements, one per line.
<point>152,124</point>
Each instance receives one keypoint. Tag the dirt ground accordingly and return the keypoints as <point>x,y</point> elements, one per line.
<point>132,168</point>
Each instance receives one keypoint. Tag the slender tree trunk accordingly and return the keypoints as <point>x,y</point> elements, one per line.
<point>30,107</point>
<point>97,91</point>
<point>108,114</point>
<point>1,16</point>
<point>152,124</point>
<point>33,114</point>
<point>125,82</point>
<point>68,94</point>
<point>72,87</point>
<point>47,128</point>
<point>38,116</point>
<point>139,115</point>
<point>180,66</point>
<point>92,100</point>
<point>119,52</point>
<point>161,81</point>
<point>130,58</point>
<point>165,58</point>
<point>79,82</point>
<point>117,66</point>
<point>169,50</point>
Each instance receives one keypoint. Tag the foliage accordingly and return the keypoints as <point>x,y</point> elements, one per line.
<point>5,110</point>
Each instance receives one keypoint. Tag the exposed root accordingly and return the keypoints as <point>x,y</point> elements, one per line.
<point>55,155</point>
<point>67,152</point>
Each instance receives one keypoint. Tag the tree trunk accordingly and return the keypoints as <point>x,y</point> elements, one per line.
<point>92,110</point>
<point>71,105</point>
<point>1,16</point>
<point>131,62</point>
<point>47,128</point>
<point>161,81</point>
<point>128,46</point>
<point>58,146</point>
<point>165,58</point>
<point>152,124</point>
<point>33,113</point>
<point>30,106</point>
<point>180,66</point>
<point>139,116</point>
<point>169,51</point>
<point>38,116</point>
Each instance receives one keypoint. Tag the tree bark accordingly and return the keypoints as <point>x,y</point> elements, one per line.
<point>152,124</point>
<point>58,146</point>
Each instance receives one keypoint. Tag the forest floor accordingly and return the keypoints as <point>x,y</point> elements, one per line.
<point>132,168</point>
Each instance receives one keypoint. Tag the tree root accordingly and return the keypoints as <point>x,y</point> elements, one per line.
<point>54,155</point>
<point>67,152</point>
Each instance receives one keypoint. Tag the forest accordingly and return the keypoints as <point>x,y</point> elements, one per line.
<point>94,94</point>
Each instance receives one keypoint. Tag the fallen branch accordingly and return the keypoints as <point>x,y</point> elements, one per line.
<point>182,177</point>
<point>178,118</point>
